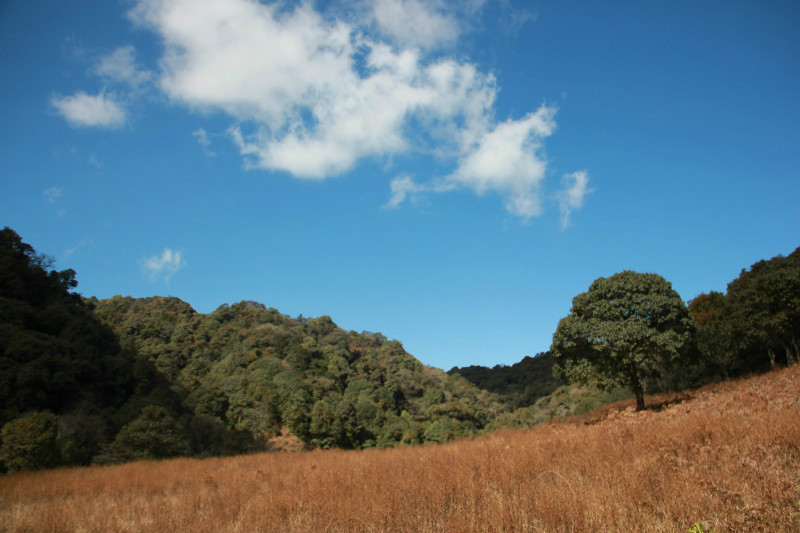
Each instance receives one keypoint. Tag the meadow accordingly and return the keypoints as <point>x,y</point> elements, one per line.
<point>726,456</point>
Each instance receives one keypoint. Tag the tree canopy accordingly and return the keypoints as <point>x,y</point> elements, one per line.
<point>756,323</point>
<point>625,329</point>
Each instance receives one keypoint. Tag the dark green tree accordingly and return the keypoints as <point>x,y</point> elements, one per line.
<point>714,334</point>
<point>29,442</point>
<point>625,329</point>
<point>764,308</point>
<point>155,434</point>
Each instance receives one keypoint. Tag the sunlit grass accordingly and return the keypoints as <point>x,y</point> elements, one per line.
<point>728,458</point>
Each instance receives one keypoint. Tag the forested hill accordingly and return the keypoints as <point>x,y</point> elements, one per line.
<point>257,370</point>
<point>83,380</point>
<point>518,385</point>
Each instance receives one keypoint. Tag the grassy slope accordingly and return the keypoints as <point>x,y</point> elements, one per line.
<point>727,455</point>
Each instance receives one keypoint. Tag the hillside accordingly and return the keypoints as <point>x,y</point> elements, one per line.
<point>88,381</point>
<point>258,371</point>
<point>726,456</point>
<point>517,385</point>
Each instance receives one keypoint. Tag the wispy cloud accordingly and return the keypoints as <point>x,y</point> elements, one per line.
<point>203,140</point>
<point>164,266</point>
<point>82,109</point>
<point>107,108</point>
<point>120,67</point>
<point>571,198</point>
<point>53,193</point>
<point>95,161</point>
<point>68,252</point>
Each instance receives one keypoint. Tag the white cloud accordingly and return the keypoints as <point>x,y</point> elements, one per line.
<point>404,188</point>
<point>506,160</point>
<point>105,109</point>
<point>120,66</point>
<point>165,265</point>
<point>412,23</point>
<point>305,105</point>
<point>98,110</point>
<point>571,198</point>
<point>313,94</point>
<point>82,109</point>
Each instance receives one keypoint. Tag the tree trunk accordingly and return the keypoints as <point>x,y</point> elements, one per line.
<point>771,354</point>
<point>795,356</point>
<point>636,388</point>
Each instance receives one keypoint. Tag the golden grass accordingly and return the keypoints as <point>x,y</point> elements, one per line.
<point>728,457</point>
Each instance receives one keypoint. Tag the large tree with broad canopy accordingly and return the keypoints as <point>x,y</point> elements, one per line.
<point>625,329</point>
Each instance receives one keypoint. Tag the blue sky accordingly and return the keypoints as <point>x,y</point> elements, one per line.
<point>450,174</point>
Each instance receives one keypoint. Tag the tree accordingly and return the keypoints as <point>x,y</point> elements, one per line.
<point>765,306</point>
<point>29,442</point>
<point>625,329</point>
<point>713,333</point>
<point>154,435</point>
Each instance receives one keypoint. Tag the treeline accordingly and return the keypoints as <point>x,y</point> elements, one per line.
<point>85,381</point>
<point>755,324</point>
<point>517,385</point>
<point>753,327</point>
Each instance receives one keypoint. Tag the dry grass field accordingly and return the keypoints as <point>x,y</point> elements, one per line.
<point>727,456</point>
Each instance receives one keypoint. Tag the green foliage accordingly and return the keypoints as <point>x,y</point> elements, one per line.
<point>29,442</point>
<point>755,325</point>
<point>698,528</point>
<point>127,378</point>
<point>625,329</point>
<point>54,353</point>
<point>155,434</point>
<point>565,401</point>
<point>518,385</point>
<point>763,308</point>
<point>258,371</point>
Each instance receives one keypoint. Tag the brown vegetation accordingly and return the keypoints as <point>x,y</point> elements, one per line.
<point>726,456</point>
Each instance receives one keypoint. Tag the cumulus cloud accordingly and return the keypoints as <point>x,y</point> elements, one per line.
<point>164,266</point>
<point>320,95</point>
<point>314,93</point>
<point>82,109</point>
<point>506,160</point>
<point>571,198</point>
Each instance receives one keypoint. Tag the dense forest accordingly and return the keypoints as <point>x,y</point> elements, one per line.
<point>87,381</point>
<point>517,385</point>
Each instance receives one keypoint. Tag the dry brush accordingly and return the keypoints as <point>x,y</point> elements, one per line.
<point>726,456</point>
